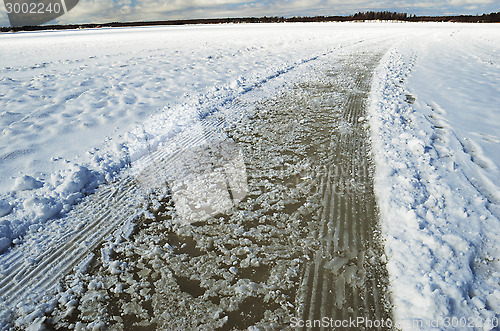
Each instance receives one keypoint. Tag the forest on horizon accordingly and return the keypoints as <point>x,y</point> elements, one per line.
<point>358,17</point>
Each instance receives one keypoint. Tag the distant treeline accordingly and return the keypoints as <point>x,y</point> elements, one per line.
<point>390,16</point>
<point>361,16</point>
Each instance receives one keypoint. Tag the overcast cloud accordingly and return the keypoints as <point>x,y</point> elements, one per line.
<point>100,11</point>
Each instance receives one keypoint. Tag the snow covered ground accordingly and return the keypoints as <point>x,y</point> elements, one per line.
<point>436,135</point>
<point>78,108</point>
<point>75,105</point>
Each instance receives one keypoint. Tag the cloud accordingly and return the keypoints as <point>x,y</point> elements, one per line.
<point>469,2</point>
<point>106,10</point>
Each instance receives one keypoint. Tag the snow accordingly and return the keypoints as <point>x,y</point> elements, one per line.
<point>26,183</point>
<point>83,109</point>
<point>5,208</point>
<point>436,127</point>
<point>469,75</point>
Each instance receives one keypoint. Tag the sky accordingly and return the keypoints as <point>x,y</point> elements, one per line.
<point>101,11</point>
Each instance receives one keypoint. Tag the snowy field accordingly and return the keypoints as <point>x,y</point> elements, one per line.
<point>83,112</point>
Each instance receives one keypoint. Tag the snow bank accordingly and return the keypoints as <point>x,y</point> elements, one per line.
<point>433,110</point>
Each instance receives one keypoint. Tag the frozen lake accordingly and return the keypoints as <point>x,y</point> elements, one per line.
<point>244,176</point>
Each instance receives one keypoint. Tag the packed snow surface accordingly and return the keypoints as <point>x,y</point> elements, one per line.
<point>77,108</point>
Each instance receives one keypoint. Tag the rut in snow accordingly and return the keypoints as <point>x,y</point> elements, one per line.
<point>346,278</point>
<point>321,123</point>
<point>300,242</point>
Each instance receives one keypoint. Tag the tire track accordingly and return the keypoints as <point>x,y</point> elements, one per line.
<point>72,248</point>
<point>346,278</point>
